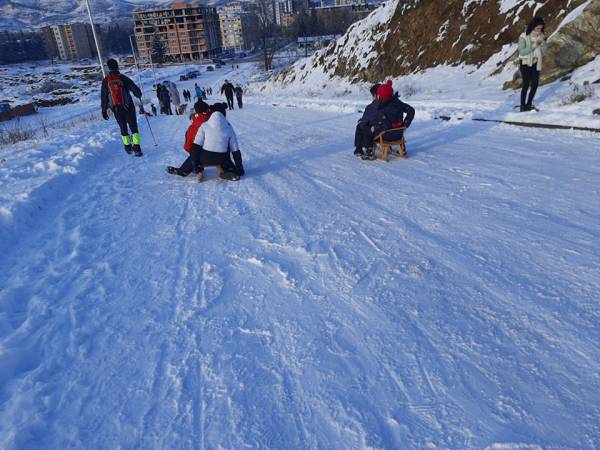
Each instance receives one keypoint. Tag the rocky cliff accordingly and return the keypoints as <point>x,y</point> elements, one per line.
<point>403,37</point>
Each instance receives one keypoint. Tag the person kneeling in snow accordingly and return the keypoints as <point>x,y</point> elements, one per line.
<point>202,115</point>
<point>215,143</point>
<point>391,113</point>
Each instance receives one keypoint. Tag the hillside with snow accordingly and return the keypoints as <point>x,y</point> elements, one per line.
<point>404,37</point>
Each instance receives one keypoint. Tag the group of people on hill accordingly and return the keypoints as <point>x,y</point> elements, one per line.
<point>229,90</point>
<point>202,93</point>
<point>211,140</point>
<point>168,98</point>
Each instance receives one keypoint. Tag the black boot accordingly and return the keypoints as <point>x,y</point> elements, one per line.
<point>358,151</point>
<point>137,151</point>
<point>523,108</point>
<point>128,149</point>
<point>229,176</point>
<point>370,155</point>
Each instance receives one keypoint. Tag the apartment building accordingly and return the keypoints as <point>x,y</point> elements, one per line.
<point>239,30</point>
<point>69,42</point>
<point>190,31</point>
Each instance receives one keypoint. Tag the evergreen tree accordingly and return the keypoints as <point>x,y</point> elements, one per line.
<point>158,49</point>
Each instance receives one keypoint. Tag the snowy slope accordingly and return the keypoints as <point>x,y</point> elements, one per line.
<point>444,301</point>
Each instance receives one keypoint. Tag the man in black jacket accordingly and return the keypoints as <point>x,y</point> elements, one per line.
<point>228,90</point>
<point>116,94</point>
<point>368,118</point>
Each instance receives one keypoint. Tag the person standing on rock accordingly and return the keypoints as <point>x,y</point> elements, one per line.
<point>116,94</point>
<point>532,46</point>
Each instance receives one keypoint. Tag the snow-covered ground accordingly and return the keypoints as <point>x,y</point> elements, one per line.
<point>449,300</point>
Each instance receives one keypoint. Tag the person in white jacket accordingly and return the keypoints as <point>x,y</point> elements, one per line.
<point>215,144</point>
<point>532,46</point>
<point>174,94</point>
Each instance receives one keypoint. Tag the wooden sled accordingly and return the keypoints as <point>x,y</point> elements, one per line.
<point>386,146</point>
<point>200,175</point>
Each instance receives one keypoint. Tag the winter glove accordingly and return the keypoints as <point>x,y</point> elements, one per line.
<point>105,114</point>
<point>239,166</point>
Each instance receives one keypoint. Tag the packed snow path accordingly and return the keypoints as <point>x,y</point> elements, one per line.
<point>446,301</point>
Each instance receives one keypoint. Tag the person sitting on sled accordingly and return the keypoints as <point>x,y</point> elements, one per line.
<point>216,143</point>
<point>202,114</point>
<point>391,113</point>
<point>364,123</point>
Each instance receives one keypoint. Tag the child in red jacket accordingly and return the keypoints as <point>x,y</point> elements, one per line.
<point>202,115</point>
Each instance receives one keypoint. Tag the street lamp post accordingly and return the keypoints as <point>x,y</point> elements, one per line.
<point>87,3</point>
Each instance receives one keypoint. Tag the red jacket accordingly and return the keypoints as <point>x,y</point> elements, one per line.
<point>190,134</point>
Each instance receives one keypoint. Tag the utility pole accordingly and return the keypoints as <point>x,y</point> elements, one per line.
<point>87,3</point>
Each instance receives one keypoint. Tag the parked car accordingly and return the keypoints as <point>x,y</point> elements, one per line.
<point>210,69</point>
<point>183,77</point>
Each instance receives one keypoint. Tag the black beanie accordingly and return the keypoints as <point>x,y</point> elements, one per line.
<point>219,107</point>
<point>201,107</point>
<point>112,64</point>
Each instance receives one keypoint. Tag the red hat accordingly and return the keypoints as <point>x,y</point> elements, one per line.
<point>386,91</point>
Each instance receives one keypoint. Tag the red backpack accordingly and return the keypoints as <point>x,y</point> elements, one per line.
<point>116,88</point>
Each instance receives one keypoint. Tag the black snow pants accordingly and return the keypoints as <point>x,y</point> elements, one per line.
<point>126,116</point>
<point>239,100</point>
<point>531,79</point>
<point>363,137</point>
<point>199,158</point>
<point>229,101</point>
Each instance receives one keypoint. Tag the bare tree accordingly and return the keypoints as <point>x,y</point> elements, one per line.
<point>267,31</point>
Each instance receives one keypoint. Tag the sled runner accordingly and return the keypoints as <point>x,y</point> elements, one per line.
<point>385,146</point>
<point>223,175</point>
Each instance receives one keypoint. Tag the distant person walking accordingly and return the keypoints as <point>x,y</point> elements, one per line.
<point>239,92</point>
<point>115,95</point>
<point>158,88</point>
<point>228,90</point>
<point>198,91</point>
<point>532,46</point>
<point>165,101</point>
<point>174,94</point>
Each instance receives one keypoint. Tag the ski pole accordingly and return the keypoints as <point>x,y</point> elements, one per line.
<point>137,69</point>
<point>148,122</point>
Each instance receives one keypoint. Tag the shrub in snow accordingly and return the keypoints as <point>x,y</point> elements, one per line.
<point>51,85</point>
<point>578,93</point>
<point>408,90</point>
<point>15,132</point>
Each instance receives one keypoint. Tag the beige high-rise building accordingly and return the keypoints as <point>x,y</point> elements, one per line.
<point>239,30</point>
<point>72,41</point>
<point>189,31</point>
